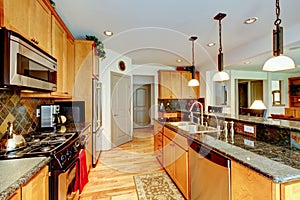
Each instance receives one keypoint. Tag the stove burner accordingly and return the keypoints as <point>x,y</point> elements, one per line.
<point>45,149</point>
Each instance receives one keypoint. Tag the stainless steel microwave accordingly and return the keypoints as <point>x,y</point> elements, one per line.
<point>24,65</point>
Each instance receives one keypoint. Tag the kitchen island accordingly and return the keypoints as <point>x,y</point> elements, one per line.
<point>276,166</point>
<point>14,173</point>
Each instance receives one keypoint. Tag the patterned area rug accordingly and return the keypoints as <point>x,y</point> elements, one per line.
<point>156,186</point>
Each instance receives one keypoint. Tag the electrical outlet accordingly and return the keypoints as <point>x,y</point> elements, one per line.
<point>249,142</point>
<point>38,112</point>
<point>248,129</point>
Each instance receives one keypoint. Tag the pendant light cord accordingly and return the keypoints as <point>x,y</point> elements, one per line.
<point>193,51</point>
<point>220,36</point>
<point>278,20</point>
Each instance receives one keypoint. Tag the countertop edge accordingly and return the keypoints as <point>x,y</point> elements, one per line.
<point>6,193</point>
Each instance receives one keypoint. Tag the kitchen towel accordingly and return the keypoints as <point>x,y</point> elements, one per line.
<point>81,172</point>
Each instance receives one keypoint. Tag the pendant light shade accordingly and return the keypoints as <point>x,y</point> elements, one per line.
<point>279,62</point>
<point>193,81</point>
<point>220,75</point>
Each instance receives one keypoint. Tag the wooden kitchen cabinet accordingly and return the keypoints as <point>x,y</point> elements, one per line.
<point>175,156</point>
<point>84,60</point>
<point>248,184</point>
<point>37,187</point>
<point>59,43</point>
<point>16,195</point>
<point>169,84</point>
<point>158,141</point>
<point>40,25</point>
<point>31,19</point>
<point>294,111</point>
<point>69,72</point>
<point>174,85</point>
<point>187,91</point>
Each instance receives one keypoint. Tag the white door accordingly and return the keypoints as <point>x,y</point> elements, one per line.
<point>120,109</point>
<point>141,106</point>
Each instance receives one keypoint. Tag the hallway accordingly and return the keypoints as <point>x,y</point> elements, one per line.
<point>112,178</point>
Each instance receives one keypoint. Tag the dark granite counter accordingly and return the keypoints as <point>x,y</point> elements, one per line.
<point>16,172</point>
<point>277,163</point>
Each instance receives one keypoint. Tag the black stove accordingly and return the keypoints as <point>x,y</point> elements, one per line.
<point>61,147</point>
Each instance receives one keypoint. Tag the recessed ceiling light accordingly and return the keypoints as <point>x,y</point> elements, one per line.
<point>247,62</point>
<point>211,44</point>
<point>250,20</point>
<point>108,33</point>
<point>178,60</point>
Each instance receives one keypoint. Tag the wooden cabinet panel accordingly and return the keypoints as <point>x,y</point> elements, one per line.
<point>187,91</point>
<point>176,160</point>
<point>164,81</point>
<point>181,175</point>
<point>16,15</point>
<point>58,46</point>
<point>37,187</point>
<point>69,74</point>
<point>16,195</point>
<point>247,184</point>
<point>174,85</point>
<point>40,25</point>
<point>158,141</point>
<point>290,191</point>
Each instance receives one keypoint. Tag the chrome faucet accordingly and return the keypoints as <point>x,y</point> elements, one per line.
<point>217,123</point>
<point>201,111</point>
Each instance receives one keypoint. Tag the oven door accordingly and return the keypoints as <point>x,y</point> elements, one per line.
<point>65,189</point>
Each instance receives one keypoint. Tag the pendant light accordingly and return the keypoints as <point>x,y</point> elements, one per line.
<point>278,62</point>
<point>220,75</point>
<point>193,81</point>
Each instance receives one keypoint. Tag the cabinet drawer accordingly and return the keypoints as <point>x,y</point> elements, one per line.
<point>167,114</point>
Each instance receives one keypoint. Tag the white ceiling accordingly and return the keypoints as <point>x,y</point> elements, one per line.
<point>158,31</point>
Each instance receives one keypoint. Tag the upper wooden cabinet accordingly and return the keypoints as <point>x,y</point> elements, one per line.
<point>174,85</point>
<point>31,19</point>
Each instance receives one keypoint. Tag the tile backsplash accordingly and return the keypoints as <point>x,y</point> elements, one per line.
<point>20,111</point>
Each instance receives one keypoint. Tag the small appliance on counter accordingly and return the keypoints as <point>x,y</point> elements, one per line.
<point>51,117</point>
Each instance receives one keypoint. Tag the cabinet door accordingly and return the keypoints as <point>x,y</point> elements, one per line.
<point>168,156</point>
<point>16,16</point>
<point>175,86</point>
<point>58,47</point>
<point>247,184</point>
<point>164,81</point>
<point>40,25</point>
<point>181,173</point>
<point>69,74</point>
<point>37,187</point>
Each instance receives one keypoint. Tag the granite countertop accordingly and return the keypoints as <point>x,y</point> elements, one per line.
<point>16,172</point>
<point>278,164</point>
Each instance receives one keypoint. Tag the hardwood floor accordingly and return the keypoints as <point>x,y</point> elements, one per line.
<point>112,178</point>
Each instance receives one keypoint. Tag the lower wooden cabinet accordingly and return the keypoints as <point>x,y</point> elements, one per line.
<point>158,141</point>
<point>37,187</point>
<point>175,159</point>
<point>16,195</point>
<point>248,184</point>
